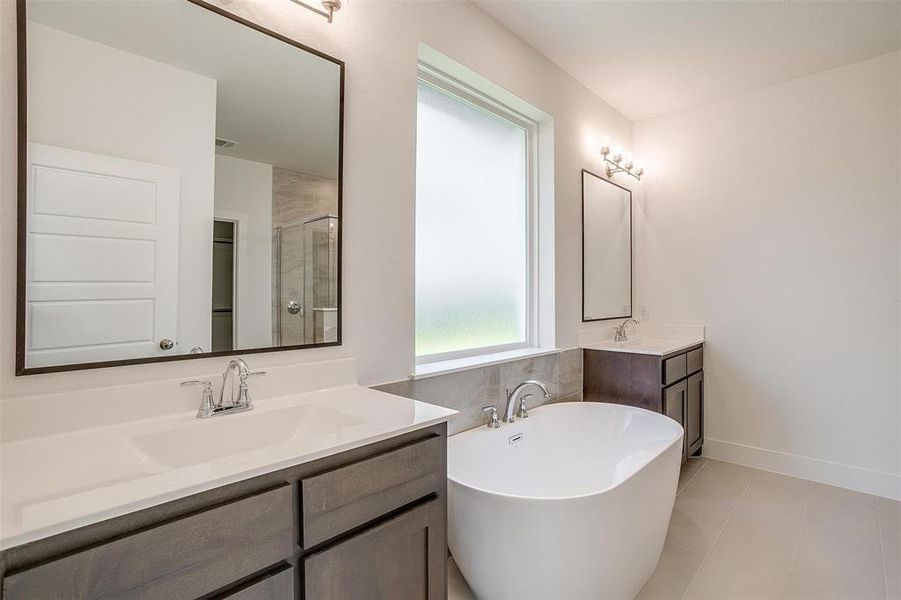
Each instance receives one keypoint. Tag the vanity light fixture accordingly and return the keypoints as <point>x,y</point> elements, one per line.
<point>617,164</point>
<point>329,6</point>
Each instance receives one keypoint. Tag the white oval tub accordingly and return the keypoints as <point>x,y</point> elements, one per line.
<point>578,508</point>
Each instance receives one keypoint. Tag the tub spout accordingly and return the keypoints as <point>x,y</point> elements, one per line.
<point>514,394</point>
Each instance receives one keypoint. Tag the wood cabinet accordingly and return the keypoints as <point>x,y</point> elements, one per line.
<point>672,384</point>
<point>369,522</point>
<point>396,559</point>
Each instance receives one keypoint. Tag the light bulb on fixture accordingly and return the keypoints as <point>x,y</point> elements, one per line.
<point>617,162</point>
<point>330,6</point>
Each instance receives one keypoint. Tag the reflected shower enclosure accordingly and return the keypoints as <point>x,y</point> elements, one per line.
<point>306,294</point>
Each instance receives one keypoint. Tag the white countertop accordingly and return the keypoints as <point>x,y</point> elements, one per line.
<point>55,483</point>
<point>654,339</point>
<point>655,346</point>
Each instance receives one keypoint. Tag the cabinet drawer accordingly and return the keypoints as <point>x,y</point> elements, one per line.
<point>694,360</point>
<point>185,558</point>
<point>277,584</point>
<point>674,369</point>
<point>336,501</point>
<point>404,557</point>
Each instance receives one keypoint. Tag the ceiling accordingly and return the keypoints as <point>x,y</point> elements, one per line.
<point>650,58</point>
<point>279,103</point>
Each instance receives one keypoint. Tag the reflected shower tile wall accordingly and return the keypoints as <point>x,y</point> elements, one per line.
<point>299,197</point>
<point>468,391</point>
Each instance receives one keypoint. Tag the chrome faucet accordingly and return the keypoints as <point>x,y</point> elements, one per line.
<point>513,396</point>
<point>620,335</point>
<point>491,411</point>
<point>209,408</point>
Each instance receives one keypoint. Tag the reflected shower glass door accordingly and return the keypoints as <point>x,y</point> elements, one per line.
<point>307,282</point>
<point>321,279</point>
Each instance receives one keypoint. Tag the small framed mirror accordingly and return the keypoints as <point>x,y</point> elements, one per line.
<point>606,249</point>
<point>180,186</point>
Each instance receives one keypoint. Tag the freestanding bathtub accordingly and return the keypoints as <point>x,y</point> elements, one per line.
<point>571,503</point>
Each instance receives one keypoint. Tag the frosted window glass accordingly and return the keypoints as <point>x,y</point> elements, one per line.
<point>471,227</point>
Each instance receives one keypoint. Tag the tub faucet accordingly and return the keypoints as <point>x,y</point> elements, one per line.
<point>514,394</point>
<point>620,335</point>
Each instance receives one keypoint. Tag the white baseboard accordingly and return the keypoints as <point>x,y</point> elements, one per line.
<point>877,483</point>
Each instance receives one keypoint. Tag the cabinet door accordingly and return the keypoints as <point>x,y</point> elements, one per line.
<point>674,405</point>
<point>694,413</point>
<point>405,557</point>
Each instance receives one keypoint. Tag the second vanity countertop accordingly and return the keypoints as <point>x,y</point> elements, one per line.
<point>655,346</point>
<point>59,482</point>
<point>658,340</point>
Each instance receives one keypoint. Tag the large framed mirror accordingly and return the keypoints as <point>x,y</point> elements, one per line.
<point>606,249</point>
<point>179,186</point>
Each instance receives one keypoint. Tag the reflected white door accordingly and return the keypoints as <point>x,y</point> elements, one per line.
<point>102,265</point>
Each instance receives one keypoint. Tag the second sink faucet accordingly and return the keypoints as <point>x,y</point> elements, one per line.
<point>620,335</point>
<point>513,396</point>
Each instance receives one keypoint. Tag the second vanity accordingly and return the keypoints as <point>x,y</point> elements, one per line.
<point>335,492</point>
<point>659,370</point>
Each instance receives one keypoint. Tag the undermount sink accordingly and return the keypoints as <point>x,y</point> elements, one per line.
<point>228,435</point>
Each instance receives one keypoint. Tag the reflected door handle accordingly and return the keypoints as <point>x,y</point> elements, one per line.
<point>167,344</point>
<point>293,307</point>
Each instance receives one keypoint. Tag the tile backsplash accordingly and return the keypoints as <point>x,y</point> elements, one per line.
<point>468,391</point>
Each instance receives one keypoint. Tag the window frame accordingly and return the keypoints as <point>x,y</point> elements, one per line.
<point>458,90</point>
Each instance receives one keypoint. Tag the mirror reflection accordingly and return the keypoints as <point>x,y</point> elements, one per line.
<point>180,198</point>
<point>606,249</point>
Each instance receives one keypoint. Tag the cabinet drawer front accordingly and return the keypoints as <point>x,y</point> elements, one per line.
<point>674,369</point>
<point>275,585</point>
<point>185,558</point>
<point>405,557</point>
<point>346,497</point>
<point>695,360</point>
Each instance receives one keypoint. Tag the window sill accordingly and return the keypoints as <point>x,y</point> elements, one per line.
<point>443,367</point>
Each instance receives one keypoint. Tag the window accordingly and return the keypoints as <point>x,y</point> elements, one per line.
<point>474,224</point>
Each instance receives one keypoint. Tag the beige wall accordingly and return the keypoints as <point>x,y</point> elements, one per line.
<point>378,41</point>
<point>772,218</point>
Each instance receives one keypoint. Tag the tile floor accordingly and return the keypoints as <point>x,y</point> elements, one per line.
<point>738,532</point>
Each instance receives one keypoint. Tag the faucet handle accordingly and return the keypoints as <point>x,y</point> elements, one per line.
<point>245,376</point>
<point>206,384</point>
<point>492,416</point>
<point>523,409</point>
<point>206,409</point>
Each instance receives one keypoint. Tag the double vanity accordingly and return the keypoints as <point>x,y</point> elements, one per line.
<point>340,492</point>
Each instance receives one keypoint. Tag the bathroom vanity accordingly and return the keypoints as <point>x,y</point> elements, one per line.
<point>659,375</point>
<point>367,522</point>
<point>325,490</point>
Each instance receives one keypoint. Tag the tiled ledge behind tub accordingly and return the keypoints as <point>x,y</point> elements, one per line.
<point>468,391</point>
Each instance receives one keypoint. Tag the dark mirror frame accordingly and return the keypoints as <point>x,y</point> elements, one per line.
<point>631,250</point>
<point>21,234</point>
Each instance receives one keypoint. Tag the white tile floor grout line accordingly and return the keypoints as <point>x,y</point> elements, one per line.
<point>692,478</point>
<point>791,562</point>
<point>717,538</point>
